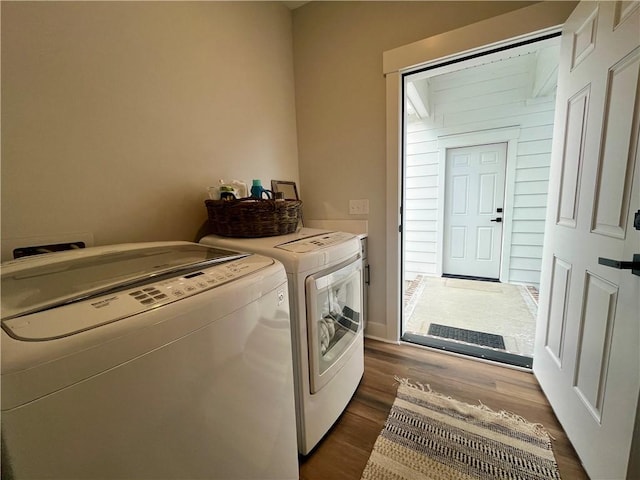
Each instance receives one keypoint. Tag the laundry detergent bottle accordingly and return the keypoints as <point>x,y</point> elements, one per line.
<point>257,190</point>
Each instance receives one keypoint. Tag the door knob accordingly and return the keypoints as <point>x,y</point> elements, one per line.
<point>499,220</point>
<point>633,265</point>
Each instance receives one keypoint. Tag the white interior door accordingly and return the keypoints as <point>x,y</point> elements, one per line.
<point>474,196</point>
<point>587,344</point>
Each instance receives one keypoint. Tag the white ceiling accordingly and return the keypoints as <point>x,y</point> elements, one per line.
<point>543,67</point>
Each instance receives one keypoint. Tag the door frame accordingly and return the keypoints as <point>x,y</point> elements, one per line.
<point>501,135</point>
<point>525,24</point>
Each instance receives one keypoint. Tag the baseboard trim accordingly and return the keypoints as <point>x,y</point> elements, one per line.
<point>376,330</point>
<point>380,339</point>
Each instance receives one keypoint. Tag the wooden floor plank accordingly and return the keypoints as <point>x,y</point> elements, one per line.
<point>343,453</point>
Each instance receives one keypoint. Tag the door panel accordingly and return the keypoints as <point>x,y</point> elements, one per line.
<point>474,189</point>
<point>460,196</point>
<point>458,244</point>
<point>586,356</point>
<point>595,341</point>
<point>573,157</point>
<point>614,181</point>
<point>485,243</point>
<point>488,185</point>
<point>560,280</point>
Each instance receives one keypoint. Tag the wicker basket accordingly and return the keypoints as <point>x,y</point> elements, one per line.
<point>251,218</point>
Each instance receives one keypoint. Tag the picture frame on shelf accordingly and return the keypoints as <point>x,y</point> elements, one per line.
<point>289,189</point>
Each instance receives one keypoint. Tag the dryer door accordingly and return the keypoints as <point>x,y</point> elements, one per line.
<point>334,318</point>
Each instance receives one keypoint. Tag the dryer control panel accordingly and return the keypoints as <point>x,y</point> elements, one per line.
<point>316,242</point>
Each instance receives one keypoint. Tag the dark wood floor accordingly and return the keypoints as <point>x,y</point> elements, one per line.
<point>343,453</point>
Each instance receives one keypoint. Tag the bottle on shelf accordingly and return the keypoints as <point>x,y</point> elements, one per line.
<point>257,190</point>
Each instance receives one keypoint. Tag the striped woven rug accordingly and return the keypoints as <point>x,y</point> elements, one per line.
<point>430,436</point>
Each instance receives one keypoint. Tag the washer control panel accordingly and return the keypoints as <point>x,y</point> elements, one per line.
<point>85,314</point>
<point>192,283</point>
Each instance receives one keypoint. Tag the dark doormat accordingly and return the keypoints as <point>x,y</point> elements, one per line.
<point>469,336</point>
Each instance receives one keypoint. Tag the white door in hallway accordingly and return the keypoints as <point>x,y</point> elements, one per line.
<point>587,356</point>
<point>474,194</point>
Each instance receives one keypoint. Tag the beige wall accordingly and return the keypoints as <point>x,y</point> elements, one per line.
<point>116,116</point>
<point>340,104</point>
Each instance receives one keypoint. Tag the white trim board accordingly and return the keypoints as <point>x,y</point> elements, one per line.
<point>479,37</point>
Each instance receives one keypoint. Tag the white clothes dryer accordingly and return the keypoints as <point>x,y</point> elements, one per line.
<point>159,360</point>
<point>324,270</point>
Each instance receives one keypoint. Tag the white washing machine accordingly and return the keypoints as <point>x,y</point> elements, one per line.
<point>161,360</point>
<point>324,270</point>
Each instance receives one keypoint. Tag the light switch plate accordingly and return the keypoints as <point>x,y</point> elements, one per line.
<point>359,207</point>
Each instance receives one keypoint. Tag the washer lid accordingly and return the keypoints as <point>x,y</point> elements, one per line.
<point>38,283</point>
